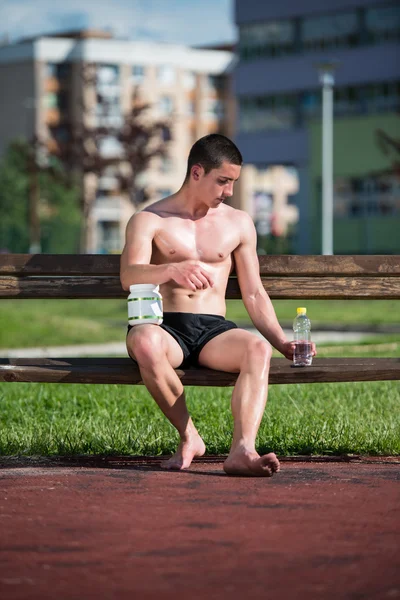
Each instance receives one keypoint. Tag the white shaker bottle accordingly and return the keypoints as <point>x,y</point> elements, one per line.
<point>144,304</point>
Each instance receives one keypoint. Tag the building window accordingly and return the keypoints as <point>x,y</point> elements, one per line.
<point>368,196</point>
<point>166,164</point>
<point>109,237</point>
<point>110,147</point>
<point>215,109</point>
<point>51,100</point>
<point>284,111</point>
<point>189,80</point>
<point>58,101</point>
<point>166,134</point>
<point>108,111</point>
<point>59,71</point>
<point>346,101</point>
<point>51,70</point>
<point>108,75</point>
<point>383,23</point>
<point>165,105</point>
<point>166,75</point>
<point>61,134</point>
<point>325,32</point>
<point>108,106</point>
<point>381,97</point>
<point>268,113</point>
<point>108,182</point>
<point>63,71</point>
<point>215,82</point>
<point>107,85</point>
<point>138,73</point>
<point>316,33</point>
<point>310,103</point>
<point>275,38</point>
<point>190,108</point>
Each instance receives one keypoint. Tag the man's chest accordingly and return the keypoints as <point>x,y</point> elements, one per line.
<point>196,240</point>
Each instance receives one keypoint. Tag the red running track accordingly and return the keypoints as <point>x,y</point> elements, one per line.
<point>316,530</point>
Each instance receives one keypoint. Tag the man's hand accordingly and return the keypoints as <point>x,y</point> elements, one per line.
<point>191,274</point>
<point>287,349</point>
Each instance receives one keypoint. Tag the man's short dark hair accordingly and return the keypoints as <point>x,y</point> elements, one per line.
<point>211,151</point>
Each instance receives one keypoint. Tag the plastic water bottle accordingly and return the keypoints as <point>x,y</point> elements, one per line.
<point>302,356</point>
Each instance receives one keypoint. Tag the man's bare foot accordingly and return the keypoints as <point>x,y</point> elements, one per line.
<point>251,464</point>
<point>185,453</point>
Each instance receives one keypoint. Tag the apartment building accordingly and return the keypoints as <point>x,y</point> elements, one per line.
<point>43,93</point>
<point>281,45</point>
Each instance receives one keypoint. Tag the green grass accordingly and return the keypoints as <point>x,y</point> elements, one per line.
<point>36,419</point>
<point>326,312</point>
<point>25,323</point>
<point>59,322</point>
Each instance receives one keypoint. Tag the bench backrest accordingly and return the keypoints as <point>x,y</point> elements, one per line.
<point>284,276</point>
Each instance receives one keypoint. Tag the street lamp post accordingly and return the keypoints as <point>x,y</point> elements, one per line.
<point>327,80</point>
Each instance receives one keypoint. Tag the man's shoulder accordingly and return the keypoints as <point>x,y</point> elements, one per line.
<point>144,220</point>
<point>238,216</point>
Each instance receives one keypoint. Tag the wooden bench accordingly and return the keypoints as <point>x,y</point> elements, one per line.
<point>288,277</point>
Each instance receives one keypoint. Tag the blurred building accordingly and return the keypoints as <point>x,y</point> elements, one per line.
<point>41,94</point>
<point>279,106</point>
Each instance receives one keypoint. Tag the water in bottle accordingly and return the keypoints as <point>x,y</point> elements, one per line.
<point>302,356</point>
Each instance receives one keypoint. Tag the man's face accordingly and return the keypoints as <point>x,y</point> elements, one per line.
<point>217,185</point>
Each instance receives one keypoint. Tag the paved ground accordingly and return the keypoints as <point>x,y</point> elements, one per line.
<point>316,530</point>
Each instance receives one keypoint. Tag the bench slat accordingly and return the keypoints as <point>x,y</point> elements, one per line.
<point>277,288</point>
<point>123,371</point>
<point>282,265</point>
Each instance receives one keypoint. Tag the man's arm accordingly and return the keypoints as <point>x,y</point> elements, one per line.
<point>135,264</point>
<point>255,298</point>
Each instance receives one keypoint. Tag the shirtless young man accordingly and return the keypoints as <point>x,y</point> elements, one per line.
<point>187,244</point>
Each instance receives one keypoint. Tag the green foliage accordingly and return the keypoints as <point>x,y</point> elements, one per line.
<point>58,207</point>
<point>272,244</point>
<point>14,233</point>
<point>60,217</point>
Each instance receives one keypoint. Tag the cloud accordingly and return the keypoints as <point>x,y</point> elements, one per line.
<point>177,21</point>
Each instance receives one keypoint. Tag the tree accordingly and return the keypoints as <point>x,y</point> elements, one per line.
<point>138,138</point>
<point>37,203</point>
<point>390,147</point>
<point>14,229</point>
<point>141,142</point>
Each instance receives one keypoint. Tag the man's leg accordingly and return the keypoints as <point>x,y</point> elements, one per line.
<point>239,351</point>
<point>158,354</point>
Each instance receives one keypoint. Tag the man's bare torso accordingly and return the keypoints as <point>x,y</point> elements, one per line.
<point>210,239</point>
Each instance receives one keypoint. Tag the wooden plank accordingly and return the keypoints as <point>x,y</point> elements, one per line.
<point>277,288</point>
<point>123,371</point>
<point>59,264</point>
<point>321,266</point>
<point>282,265</point>
<point>61,287</point>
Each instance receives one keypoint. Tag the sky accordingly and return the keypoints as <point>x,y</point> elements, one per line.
<point>194,22</point>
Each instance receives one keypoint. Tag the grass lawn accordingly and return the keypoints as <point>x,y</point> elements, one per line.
<point>27,323</point>
<point>36,419</point>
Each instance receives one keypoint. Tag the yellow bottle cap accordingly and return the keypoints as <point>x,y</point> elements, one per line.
<point>301,311</point>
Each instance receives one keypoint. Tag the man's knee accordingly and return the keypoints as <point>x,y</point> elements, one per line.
<point>146,345</point>
<point>257,355</point>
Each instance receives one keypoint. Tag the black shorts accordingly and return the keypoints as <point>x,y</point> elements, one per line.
<point>192,332</point>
